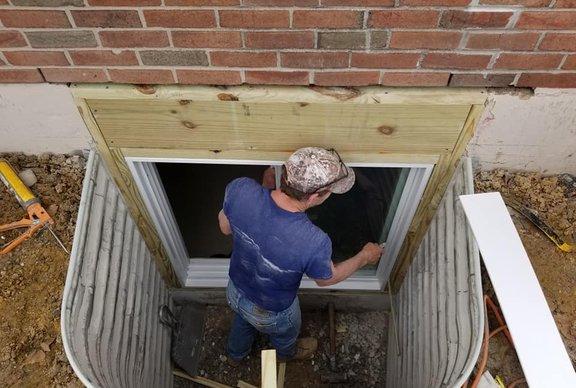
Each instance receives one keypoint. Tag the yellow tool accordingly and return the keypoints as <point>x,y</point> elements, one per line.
<point>38,217</point>
<point>532,216</point>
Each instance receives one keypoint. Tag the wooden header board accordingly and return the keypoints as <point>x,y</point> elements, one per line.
<point>370,124</point>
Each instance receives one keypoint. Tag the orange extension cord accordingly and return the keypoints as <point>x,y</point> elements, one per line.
<point>489,303</point>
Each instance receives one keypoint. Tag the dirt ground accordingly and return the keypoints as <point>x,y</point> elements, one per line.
<point>32,277</point>
<point>555,200</point>
<point>361,351</point>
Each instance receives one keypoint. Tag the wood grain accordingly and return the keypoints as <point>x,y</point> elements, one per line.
<point>234,125</point>
<point>118,169</point>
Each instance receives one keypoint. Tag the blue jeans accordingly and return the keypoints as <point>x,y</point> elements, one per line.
<point>283,327</point>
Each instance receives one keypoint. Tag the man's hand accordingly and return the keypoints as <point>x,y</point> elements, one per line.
<point>269,178</point>
<point>372,253</point>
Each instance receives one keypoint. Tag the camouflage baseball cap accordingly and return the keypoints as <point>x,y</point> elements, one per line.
<point>311,169</point>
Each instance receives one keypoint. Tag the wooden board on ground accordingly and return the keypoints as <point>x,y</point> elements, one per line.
<point>269,378</point>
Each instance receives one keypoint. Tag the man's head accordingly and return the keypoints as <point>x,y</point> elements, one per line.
<point>311,174</point>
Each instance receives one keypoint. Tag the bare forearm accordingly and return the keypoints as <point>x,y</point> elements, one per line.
<point>344,269</point>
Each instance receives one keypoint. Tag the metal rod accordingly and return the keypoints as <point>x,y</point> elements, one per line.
<point>57,239</point>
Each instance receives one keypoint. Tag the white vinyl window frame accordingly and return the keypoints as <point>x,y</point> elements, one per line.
<point>213,272</point>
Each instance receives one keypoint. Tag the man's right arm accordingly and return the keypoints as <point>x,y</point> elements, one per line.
<point>370,254</point>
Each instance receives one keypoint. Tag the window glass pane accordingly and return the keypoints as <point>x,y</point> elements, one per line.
<point>364,214</point>
<point>196,193</point>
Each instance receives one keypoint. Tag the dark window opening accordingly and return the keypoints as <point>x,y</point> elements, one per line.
<point>364,214</point>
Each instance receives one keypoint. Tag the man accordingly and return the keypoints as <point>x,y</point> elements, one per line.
<point>275,244</point>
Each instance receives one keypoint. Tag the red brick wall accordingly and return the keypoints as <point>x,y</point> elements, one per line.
<point>291,42</point>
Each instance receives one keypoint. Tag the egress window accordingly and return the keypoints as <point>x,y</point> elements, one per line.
<point>184,199</point>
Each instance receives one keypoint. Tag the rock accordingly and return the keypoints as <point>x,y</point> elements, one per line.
<point>46,345</point>
<point>28,177</point>
<point>223,358</point>
<point>35,357</point>
<point>52,209</point>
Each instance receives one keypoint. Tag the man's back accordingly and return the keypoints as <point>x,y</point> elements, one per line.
<point>273,247</point>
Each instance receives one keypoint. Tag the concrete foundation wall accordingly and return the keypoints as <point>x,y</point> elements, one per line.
<point>525,131</point>
<point>40,118</point>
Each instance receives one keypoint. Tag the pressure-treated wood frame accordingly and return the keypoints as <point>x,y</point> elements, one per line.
<point>372,124</point>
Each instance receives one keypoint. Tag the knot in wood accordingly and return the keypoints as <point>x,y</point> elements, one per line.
<point>146,89</point>
<point>227,97</point>
<point>386,129</point>
<point>189,124</point>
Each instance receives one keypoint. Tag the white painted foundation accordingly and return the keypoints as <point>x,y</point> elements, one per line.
<point>36,118</point>
<point>521,131</point>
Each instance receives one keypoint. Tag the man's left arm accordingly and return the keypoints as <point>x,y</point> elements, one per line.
<point>224,223</point>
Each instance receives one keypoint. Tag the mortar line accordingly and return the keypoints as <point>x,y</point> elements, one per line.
<point>539,41</point>
<point>563,61</point>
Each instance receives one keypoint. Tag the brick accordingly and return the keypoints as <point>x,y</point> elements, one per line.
<point>61,39</point>
<point>34,19</point>
<point>523,3</point>
<point>342,40</point>
<point>277,77</point>
<point>360,3</point>
<point>36,58</point>
<point>281,3</point>
<point>554,41</point>
<point>12,39</point>
<point>141,76</point>
<point>523,41</point>
<point>547,80</point>
<point>107,19</point>
<point>198,3</point>
<point>430,3</point>
<point>565,4</point>
<point>48,3</point>
<point>327,19</point>
<point>280,40</point>
<point>346,78</point>
<point>385,60</point>
<point>481,80</point>
<point>208,39</point>
<point>415,79</point>
<point>404,19</point>
<point>124,3</point>
<point>315,60</point>
<point>180,18</point>
<point>570,63</point>
<point>134,39</point>
<point>528,61</point>
<point>174,58</point>
<point>243,59</point>
<point>465,19</point>
<point>547,20</point>
<point>254,19</point>
<point>455,61</point>
<point>55,74</point>
<point>20,76</point>
<point>209,77</point>
<point>103,58</point>
<point>425,40</point>
<point>378,39</point>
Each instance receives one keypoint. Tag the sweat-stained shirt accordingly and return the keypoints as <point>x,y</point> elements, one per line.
<point>272,247</point>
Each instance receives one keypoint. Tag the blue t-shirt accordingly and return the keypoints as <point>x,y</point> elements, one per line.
<point>273,247</point>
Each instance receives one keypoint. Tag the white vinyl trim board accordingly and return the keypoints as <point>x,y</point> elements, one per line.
<point>539,346</point>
